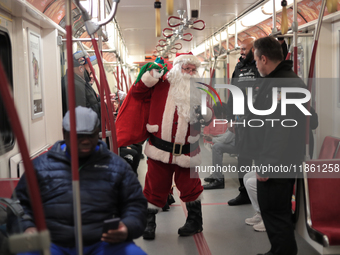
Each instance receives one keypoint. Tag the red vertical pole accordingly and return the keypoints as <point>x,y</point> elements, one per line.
<point>121,78</point>
<point>130,82</point>
<point>311,68</point>
<point>117,77</point>
<point>102,92</point>
<point>32,184</point>
<point>126,85</point>
<point>105,117</point>
<point>73,133</point>
<point>295,59</point>
<point>104,85</point>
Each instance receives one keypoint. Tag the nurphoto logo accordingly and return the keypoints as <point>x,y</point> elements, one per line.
<point>238,104</point>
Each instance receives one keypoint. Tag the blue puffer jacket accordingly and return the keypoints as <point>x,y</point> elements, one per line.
<point>108,187</point>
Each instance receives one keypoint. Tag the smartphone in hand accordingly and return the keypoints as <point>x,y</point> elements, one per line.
<point>110,224</point>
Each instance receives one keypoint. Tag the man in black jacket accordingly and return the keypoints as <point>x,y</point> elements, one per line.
<point>278,143</point>
<point>85,94</point>
<point>108,189</point>
<point>244,76</point>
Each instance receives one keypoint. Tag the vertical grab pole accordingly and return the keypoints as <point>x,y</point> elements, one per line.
<point>311,68</point>
<point>274,30</point>
<point>289,52</point>
<point>130,82</point>
<point>101,77</point>
<point>106,117</point>
<point>31,179</point>
<point>236,36</point>
<point>227,58</point>
<point>73,133</point>
<point>126,84</point>
<point>106,87</point>
<point>121,76</point>
<point>118,82</point>
<point>295,36</point>
<point>114,74</point>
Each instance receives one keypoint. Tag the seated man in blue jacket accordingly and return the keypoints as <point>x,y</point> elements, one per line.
<point>108,189</point>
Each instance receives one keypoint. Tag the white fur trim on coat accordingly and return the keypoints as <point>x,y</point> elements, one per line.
<point>168,118</point>
<point>182,130</point>
<point>193,139</point>
<point>156,154</point>
<point>151,206</point>
<point>152,128</point>
<point>163,156</point>
<point>187,59</point>
<point>187,161</point>
<point>148,80</point>
<point>208,116</point>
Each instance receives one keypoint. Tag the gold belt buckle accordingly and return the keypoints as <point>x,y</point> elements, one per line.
<point>180,149</point>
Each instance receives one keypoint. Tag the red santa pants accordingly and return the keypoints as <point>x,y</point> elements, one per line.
<point>158,182</point>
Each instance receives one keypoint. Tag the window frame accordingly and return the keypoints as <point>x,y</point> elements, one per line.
<point>7,144</point>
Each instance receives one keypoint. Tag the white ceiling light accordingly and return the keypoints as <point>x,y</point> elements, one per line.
<point>231,29</point>
<point>87,5</point>
<point>198,50</point>
<point>253,18</point>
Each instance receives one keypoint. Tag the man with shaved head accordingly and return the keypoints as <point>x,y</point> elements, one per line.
<point>244,76</point>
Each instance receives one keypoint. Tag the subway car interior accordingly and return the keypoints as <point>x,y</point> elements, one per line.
<point>39,40</point>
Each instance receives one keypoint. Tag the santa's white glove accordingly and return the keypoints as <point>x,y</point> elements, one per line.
<point>202,118</point>
<point>121,94</point>
<point>157,74</point>
<point>198,114</point>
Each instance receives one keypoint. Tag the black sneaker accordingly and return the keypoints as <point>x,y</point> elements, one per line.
<point>241,199</point>
<point>216,184</point>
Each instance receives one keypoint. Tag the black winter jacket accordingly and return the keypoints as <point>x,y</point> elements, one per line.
<point>85,95</point>
<point>108,188</point>
<point>273,143</point>
<point>244,76</point>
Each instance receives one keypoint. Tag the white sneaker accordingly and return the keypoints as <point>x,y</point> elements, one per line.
<point>254,220</point>
<point>260,227</point>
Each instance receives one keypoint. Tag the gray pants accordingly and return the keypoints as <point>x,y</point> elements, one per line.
<point>250,182</point>
<point>217,156</point>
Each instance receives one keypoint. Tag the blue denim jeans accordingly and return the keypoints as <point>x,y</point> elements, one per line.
<point>100,248</point>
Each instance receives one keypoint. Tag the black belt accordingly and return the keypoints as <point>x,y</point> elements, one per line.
<point>175,148</point>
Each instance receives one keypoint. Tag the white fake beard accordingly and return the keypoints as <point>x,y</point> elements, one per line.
<point>185,94</point>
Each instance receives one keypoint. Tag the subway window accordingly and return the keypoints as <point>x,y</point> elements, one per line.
<point>6,134</point>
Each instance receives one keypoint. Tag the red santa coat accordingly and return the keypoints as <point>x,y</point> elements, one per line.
<point>165,123</point>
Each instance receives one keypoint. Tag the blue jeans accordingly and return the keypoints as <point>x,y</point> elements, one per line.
<point>100,248</point>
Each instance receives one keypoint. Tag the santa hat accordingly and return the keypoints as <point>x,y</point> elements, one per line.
<point>186,58</point>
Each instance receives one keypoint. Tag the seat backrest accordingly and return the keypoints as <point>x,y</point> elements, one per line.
<point>7,187</point>
<point>324,193</point>
<point>329,147</point>
<point>337,153</point>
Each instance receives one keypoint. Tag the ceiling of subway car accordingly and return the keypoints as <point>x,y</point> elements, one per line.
<point>136,20</point>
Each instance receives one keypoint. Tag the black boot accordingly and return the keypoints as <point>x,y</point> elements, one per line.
<point>166,207</point>
<point>149,232</point>
<point>170,200</point>
<point>194,220</point>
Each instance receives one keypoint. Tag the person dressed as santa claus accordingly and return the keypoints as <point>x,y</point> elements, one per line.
<point>173,127</point>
